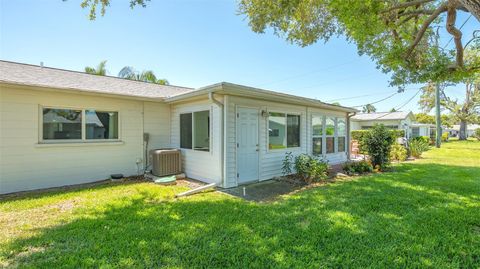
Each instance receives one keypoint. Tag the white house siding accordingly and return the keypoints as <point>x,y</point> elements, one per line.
<point>200,165</point>
<point>270,160</point>
<point>157,124</point>
<point>25,164</point>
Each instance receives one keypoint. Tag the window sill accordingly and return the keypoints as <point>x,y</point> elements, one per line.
<point>78,144</point>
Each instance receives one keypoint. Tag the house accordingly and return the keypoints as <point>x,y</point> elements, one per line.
<point>60,127</point>
<point>454,131</point>
<point>392,120</point>
<point>401,120</point>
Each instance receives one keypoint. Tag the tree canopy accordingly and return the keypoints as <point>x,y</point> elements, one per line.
<point>129,72</point>
<point>401,36</point>
<point>100,70</point>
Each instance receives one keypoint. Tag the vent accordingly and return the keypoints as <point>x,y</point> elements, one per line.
<point>166,162</point>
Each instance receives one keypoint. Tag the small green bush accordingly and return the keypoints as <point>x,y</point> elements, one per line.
<point>310,168</point>
<point>361,167</point>
<point>398,153</point>
<point>418,145</point>
<point>445,137</point>
<point>287,164</point>
<point>477,133</point>
<point>378,142</point>
<point>359,135</point>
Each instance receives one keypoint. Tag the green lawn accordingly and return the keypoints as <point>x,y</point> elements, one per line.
<point>424,214</point>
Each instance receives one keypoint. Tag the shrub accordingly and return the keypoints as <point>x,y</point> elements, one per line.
<point>361,167</point>
<point>287,164</point>
<point>359,135</point>
<point>445,137</point>
<point>378,142</point>
<point>310,168</point>
<point>477,133</point>
<point>418,145</point>
<point>398,153</point>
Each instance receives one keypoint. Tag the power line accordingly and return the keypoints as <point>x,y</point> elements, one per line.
<point>378,101</point>
<point>355,97</point>
<point>401,106</point>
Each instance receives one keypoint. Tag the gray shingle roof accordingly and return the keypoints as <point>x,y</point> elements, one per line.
<point>398,115</point>
<point>34,75</point>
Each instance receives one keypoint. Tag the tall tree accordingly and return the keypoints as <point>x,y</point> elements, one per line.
<point>99,70</point>
<point>369,108</point>
<point>464,112</point>
<point>129,72</point>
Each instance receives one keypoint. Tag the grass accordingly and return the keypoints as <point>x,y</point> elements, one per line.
<point>424,214</point>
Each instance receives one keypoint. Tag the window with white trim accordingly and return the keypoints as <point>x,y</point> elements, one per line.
<point>63,124</point>
<point>283,130</point>
<point>330,123</point>
<point>195,130</point>
<point>317,135</point>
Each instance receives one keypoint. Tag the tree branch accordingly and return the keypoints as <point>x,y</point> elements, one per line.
<point>456,33</point>
<point>416,12</point>
<point>408,4</point>
<point>442,8</point>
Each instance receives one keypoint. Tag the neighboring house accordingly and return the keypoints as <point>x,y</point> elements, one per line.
<point>401,120</point>
<point>60,127</point>
<point>454,131</point>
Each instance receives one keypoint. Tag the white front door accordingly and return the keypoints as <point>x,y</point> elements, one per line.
<point>247,145</point>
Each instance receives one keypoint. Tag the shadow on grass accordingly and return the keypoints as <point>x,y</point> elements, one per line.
<point>421,215</point>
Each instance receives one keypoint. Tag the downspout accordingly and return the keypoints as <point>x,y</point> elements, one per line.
<point>349,115</point>
<point>221,159</point>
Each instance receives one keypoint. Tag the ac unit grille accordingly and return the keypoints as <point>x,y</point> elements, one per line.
<point>166,162</point>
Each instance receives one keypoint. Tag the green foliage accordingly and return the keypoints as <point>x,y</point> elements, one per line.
<point>398,153</point>
<point>359,134</point>
<point>369,108</point>
<point>445,137</point>
<point>380,29</point>
<point>310,168</point>
<point>378,142</point>
<point>355,168</point>
<point>129,72</point>
<point>477,133</point>
<point>100,70</point>
<point>418,145</point>
<point>287,164</point>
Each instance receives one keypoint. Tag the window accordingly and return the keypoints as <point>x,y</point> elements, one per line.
<point>341,134</point>
<point>317,134</point>
<point>78,124</point>
<point>101,125</point>
<point>415,131</point>
<point>330,134</point>
<point>283,130</point>
<point>62,124</point>
<point>293,131</point>
<point>195,130</point>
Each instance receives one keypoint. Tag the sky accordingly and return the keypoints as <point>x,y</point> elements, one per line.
<point>195,43</point>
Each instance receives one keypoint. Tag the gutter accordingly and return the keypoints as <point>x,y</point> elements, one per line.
<point>220,105</point>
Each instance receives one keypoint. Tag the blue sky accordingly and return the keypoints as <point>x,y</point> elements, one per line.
<point>193,43</point>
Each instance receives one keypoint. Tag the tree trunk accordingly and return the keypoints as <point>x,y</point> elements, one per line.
<point>473,6</point>
<point>463,130</point>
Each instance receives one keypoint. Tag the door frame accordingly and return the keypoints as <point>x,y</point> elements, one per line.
<point>258,109</point>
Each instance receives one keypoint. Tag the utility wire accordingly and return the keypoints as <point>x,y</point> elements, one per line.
<point>378,101</point>
<point>401,106</point>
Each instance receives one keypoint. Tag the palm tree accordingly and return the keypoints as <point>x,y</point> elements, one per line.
<point>100,70</point>
<point>369,108</point>
<point>129,72</point>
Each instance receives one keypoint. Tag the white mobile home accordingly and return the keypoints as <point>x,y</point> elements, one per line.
<point>60,127</point>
